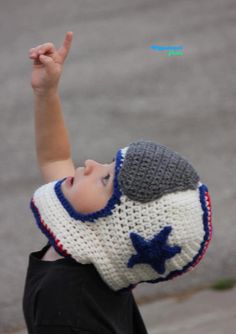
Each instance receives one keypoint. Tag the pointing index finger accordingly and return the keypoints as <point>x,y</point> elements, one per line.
<point>65,48</point>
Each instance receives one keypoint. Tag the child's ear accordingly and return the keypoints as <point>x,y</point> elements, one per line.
<point>56,170</point>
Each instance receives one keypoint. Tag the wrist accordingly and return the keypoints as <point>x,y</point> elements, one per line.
<point>48,93</point>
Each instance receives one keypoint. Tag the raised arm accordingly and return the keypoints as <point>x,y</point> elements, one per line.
<point>51,136</point>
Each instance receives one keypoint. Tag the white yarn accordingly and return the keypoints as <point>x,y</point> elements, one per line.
<point>106,243</point>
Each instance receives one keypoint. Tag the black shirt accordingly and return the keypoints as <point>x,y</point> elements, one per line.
<point>64,296</point>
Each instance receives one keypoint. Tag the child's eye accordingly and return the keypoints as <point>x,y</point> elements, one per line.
<point>106,178</point>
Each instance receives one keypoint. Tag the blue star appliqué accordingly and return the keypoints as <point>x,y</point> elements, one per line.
<point>153,252</point>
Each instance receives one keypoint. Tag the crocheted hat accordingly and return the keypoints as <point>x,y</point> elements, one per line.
<point>156,225</point>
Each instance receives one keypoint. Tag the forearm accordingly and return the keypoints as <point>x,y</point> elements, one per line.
<point>51,136</point>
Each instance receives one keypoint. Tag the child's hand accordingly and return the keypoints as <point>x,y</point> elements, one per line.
<point>47,65</point>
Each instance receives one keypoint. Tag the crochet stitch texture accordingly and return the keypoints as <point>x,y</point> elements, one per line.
<point>150,171</point>
<point>115,238</point>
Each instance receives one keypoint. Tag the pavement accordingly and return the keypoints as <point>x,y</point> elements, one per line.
<point>116,89</point>
<point>206,311</point>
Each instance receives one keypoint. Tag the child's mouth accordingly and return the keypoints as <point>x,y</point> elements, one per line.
<point>69,181</point>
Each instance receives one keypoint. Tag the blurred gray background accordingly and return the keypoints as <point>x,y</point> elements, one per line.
<point>114,90</point>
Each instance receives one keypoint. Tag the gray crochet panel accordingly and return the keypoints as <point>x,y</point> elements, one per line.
<point>150,170</point>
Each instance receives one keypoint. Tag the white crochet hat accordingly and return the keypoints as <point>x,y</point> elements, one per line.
<point>156,225</point>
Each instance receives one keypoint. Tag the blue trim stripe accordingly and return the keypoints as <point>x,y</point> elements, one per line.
<point>203,193</point>
<point>107,210</point>
<point>46,231</point>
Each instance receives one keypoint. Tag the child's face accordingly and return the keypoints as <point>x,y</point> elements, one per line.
<point>91,187</point>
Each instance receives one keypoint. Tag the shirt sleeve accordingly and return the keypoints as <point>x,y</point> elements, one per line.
<point>59,330</point>
<point>139,326</point>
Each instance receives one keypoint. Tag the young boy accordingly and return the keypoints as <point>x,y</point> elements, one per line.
<point>145,217</point>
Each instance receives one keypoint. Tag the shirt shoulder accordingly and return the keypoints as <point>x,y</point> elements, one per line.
<point>66,293</point>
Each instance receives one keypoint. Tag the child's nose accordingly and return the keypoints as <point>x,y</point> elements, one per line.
<point>90,165</point>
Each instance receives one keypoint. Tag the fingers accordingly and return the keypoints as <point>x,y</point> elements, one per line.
<point>46,48</point>
<point>45,60</point>
<point>49,49</point>
<point>65,48</point>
